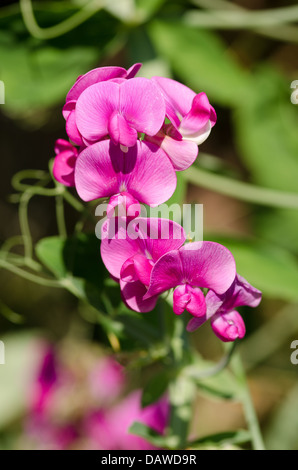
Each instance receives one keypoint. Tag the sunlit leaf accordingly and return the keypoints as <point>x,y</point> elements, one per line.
<point>201,60</point>
<point>271,269</point>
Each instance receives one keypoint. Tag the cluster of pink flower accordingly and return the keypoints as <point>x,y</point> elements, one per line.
<point>133,135</point>
<point>88,407</point>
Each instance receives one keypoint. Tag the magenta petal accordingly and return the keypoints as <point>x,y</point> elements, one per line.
<point>126,205</point>
<point>95,176</point>
<point>94,109</point>
<point>97,75</point>
<point>197,305</point>
<point>155,238</point>
<point>128,272</point>
<point>195,323</point>
<point>61,145</point>
<point>181,297</point>
<point>144,171</point>
<point>142,105</point>
<point>213,116</point>
<point>240,293</point>
<point>133,70</point>
<point>65,161</point>
<point>136,268</point>
<point>120,131</point>
<point>143,269</point>
<point>189,298</point>
<point>163,235</point>
<point>178,98</point>
<point>63,168</point>
<point>229,326</point>
<point>197,117</point>
<point>209,265</point>
<point>200,264</point>
<point>68,108</point>
<point>116,247</point>
<point>72,130</point>
<point>133,295</point>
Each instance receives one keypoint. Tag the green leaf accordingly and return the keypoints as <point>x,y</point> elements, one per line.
<point>38,77</point>
<point>222,385</point>
<point>146,9</point>
<point>17,374</point>
<point>50,253</point>
<point>271,269</point>
<point>182,392</point>
<point>140,429</point>
<point>282,428</point>
<point>222,439</point>
<point>202,61</point>
<point>266,127</point>
<point>77,263</point>
<point>78,255</point>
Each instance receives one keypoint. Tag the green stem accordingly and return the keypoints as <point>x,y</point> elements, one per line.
<point>243,18</point>
<point>216,369</point>
<point>24,224</point>
<point>241,190</point>
<point>59,29</point>
<point>248,406</point>
<point>284,32</point>
<point>29,276</point>
<point>60,217</point>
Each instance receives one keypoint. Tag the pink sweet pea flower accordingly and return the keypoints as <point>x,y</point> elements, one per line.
<point>144,172</point>
<point>109,430</point>
<point>65,161</point>
<point>97,75</point>
<point>120,110</point>
<point>130,254</point>
<point>192,118</point>
<point>194,266</point>
<point>226,322</point>
<point>107,381</point>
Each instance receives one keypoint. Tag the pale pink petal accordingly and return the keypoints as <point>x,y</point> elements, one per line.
<point>182,153</point>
